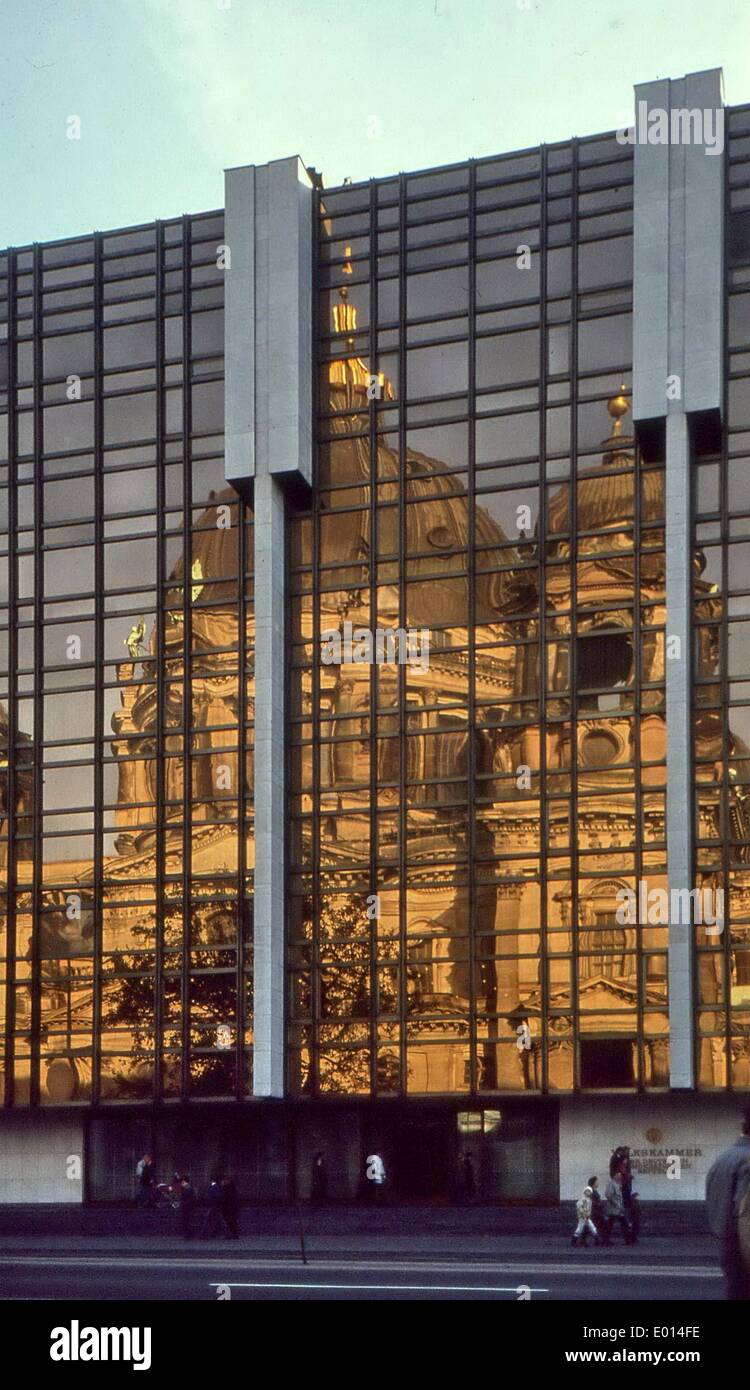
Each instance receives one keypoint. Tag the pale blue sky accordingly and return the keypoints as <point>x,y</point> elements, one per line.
<point>169,92</point>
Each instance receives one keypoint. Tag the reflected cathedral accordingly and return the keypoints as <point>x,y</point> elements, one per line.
<point>549,735</point>
<point>576,740</point>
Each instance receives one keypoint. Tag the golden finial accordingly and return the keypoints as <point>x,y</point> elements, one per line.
<point>617,407</point>
<point>195,589</point>
<point>196,573</point>
<point>135,638</point>
<point>343,292</point>
<point>352,371</point>
<point>344,314</point>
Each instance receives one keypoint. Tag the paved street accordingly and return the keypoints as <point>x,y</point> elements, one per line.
<point>202,1276</point>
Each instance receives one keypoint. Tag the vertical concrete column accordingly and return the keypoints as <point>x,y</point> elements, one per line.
<point>268,993</point>
<point>679,749</point>
<point>268,429</point>
<point>677,374</point>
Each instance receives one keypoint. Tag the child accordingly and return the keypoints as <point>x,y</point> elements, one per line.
<point>597,1210</point>
<point>584,1207</point>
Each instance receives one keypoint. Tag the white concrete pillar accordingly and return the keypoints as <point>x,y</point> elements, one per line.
<point>268,427</point>
<point>678,373</point>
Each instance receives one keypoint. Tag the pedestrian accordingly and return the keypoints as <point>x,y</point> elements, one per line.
<point>597,1210</point>
<point>727,1183</point>
<point>230,1206</point>
<point>186,1190</point>
<point>614,1207</point>
<point>614,1161</point>
<point>468,1180</point>
<point>629,1197</point>
<point>374,1177</point>
<point>585,1226</point>
<point>146,1180</point>
<point>319,1180</point>
<point>214,1223</point>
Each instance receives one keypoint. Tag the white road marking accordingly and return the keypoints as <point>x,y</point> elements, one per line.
<point>383,1288</point>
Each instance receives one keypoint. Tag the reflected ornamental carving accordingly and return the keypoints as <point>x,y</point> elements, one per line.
<point>214,695</point>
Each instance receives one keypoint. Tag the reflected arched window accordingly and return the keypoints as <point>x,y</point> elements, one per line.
<point>603,949</point>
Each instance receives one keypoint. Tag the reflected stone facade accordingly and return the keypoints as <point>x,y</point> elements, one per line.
<point>474,959</point>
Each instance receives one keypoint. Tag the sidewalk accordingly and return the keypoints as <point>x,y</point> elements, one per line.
<point>357,1232</point>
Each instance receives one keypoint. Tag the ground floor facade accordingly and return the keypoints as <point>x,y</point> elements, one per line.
<point>523,1151</point>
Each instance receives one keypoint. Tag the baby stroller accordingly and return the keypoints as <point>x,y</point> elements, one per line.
<point>167,1197</point>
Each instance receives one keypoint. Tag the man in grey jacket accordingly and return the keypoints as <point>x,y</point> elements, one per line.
<point>614,1209</point>
<point>726,1183</point>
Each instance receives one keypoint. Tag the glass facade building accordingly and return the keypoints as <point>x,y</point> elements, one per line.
<point>127,930</point>
<point>722,666</point>
<point>375,677</point>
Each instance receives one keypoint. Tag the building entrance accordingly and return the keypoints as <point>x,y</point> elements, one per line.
<point>507,1153</point>
<point>423,1156</point>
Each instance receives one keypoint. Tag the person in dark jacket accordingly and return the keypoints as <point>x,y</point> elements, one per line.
<point>468,1180</point>
<point>620,1163</point>
<point>215,1223</point>
<point>614,1209</point>
<point>319,1180</point>
<point>726,1183</point>
<point>230,1206</point>
<point>146,1175</point>
<point>187,1204</point>
<point>629,1197</point>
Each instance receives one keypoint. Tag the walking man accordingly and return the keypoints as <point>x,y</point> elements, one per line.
<point>187,1205</point>
<point>614,1208</point>
<point>319,1180</point>
<point>468,1180</point>
<point>215,1223</point>
<point>230,1206</point>
<point>374,1176</point>
<point>146,1178</point>
<point>727,1182</point>
<point>621,1161</point>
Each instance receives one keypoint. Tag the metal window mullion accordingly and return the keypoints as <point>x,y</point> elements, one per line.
<point>38,695</point>
<point>242,803</point>
<point>573,673</point>
<point>12,751</point>
<point>160,644</point>
<point>544,805</point>
<point>315,722</point>
<point>640,958</point>
<point>473,938</point>
<point>725,825</point>
<point>402,618</point>
<point>98,905</point>
<point>373,593</point>
<point>724,819</point>
<point>187,593</point>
